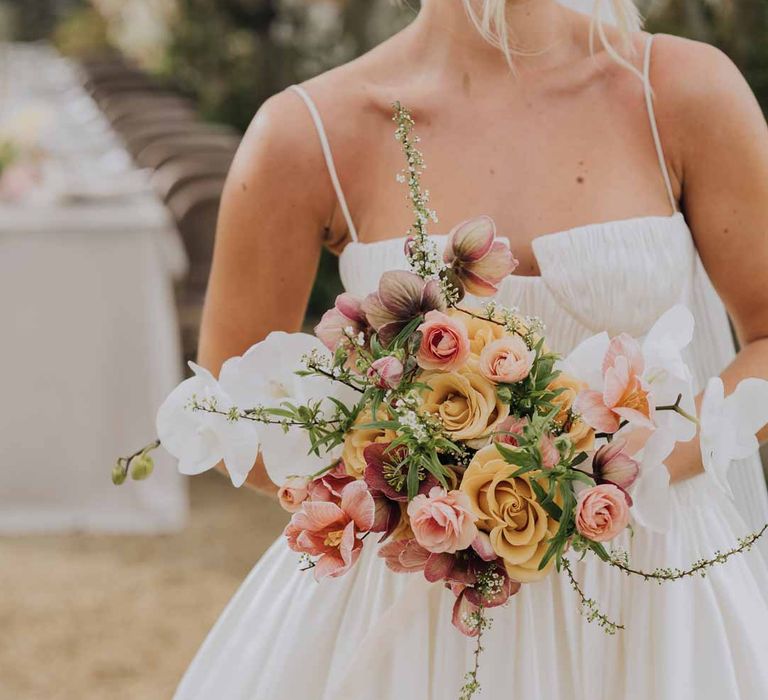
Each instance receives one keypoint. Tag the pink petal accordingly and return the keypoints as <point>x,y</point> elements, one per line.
<point>327,565</point>
<point>317,515</point>
<point>476,285</point>
<point>357,503</point>
<point>624,345</point>
<point>414,555</point>
<point>462,609</point>
<point>438,567</point>
<point>351,307</point>
<point>482,546</point>
<point>330,330</point>
<point>472,239</point>
<point>496,265</point>
<point>616,380</point>
<point>589,405</point>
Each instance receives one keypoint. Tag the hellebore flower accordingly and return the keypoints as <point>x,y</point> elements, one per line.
<point>402,296</point>
<point>387,471</point>
<point>612,465</point>
<point>479,261</point>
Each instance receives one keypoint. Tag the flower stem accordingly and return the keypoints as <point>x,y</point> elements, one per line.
<point>589,605</point>
<point>677,409</point>
<point>699,567</point>
<point>471,683</point>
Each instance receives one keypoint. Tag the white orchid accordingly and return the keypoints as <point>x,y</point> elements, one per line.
<point>666,373</point>
<point>729,425</point>
<point>200,439</point>
<point>651,495</point>
<point>266,375</point>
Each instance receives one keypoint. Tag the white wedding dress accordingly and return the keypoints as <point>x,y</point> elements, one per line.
<point>376,635</point>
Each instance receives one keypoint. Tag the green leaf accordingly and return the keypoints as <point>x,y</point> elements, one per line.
<point>545,501</point>
<point>598,549</point>
<point>516,457</point>
<point>413,480</point>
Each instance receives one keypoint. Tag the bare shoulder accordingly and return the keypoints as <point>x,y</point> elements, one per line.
<point>699,85</point>
<point>280,141</point>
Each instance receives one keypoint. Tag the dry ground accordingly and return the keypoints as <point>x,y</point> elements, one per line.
<point>87,617</point>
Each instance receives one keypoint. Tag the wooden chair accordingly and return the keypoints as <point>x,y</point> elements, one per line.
<point>154,155</point>
<point>178,172</point>
<point>195,208</point>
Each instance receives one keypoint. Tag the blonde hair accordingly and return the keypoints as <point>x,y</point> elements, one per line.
<point>491,21</point>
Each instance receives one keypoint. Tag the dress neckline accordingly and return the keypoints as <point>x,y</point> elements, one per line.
<point>543,239</point>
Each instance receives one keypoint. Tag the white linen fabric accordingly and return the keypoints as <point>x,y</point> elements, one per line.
<point>376,635</point>
<point>90,341</point>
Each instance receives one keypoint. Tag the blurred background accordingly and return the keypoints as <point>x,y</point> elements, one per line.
<point>118,122</point>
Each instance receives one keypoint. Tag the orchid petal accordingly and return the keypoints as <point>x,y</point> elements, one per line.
<point>585,360</point>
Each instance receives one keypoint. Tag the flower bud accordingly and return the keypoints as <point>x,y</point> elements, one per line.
<point>118,474</point>
<point>141,467</point>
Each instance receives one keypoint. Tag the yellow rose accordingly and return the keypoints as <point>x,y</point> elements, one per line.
<point>464,401</point>
<point>358,439</point>
<point>580,434</point>
<point>519,528</point>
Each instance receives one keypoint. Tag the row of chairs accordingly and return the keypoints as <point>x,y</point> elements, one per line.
<point>188,159</point>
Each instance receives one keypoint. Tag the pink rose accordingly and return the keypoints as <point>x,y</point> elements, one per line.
<point>442,521</point>
<point>506,360</point>
<point>509,429</point>
<point>444,342</point>
<point>293,493</point>
<point>602,512</point>
<point>386,372</point>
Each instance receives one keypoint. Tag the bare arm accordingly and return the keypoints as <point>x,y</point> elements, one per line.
<point>276,202</point>
<point>720,141</point>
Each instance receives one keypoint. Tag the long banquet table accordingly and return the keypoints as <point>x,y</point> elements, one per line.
<point>88,330</point>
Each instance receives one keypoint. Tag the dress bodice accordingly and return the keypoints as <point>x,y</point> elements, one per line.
<point>614,277</point>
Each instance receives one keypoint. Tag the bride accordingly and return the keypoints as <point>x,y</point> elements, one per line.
<point>626,177</point>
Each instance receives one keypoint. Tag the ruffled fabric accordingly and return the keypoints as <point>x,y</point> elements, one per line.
<point>376,635</point>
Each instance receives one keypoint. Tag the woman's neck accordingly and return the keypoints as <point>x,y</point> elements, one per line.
<point>541,33</point>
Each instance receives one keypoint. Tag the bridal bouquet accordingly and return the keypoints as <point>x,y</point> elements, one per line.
<point>476,456</point>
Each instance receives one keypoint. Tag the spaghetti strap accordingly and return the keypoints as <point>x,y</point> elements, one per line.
<point>654,126</point>
<point>328,156</point>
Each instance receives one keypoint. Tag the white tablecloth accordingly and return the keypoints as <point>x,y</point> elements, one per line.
<point>88,330</point>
